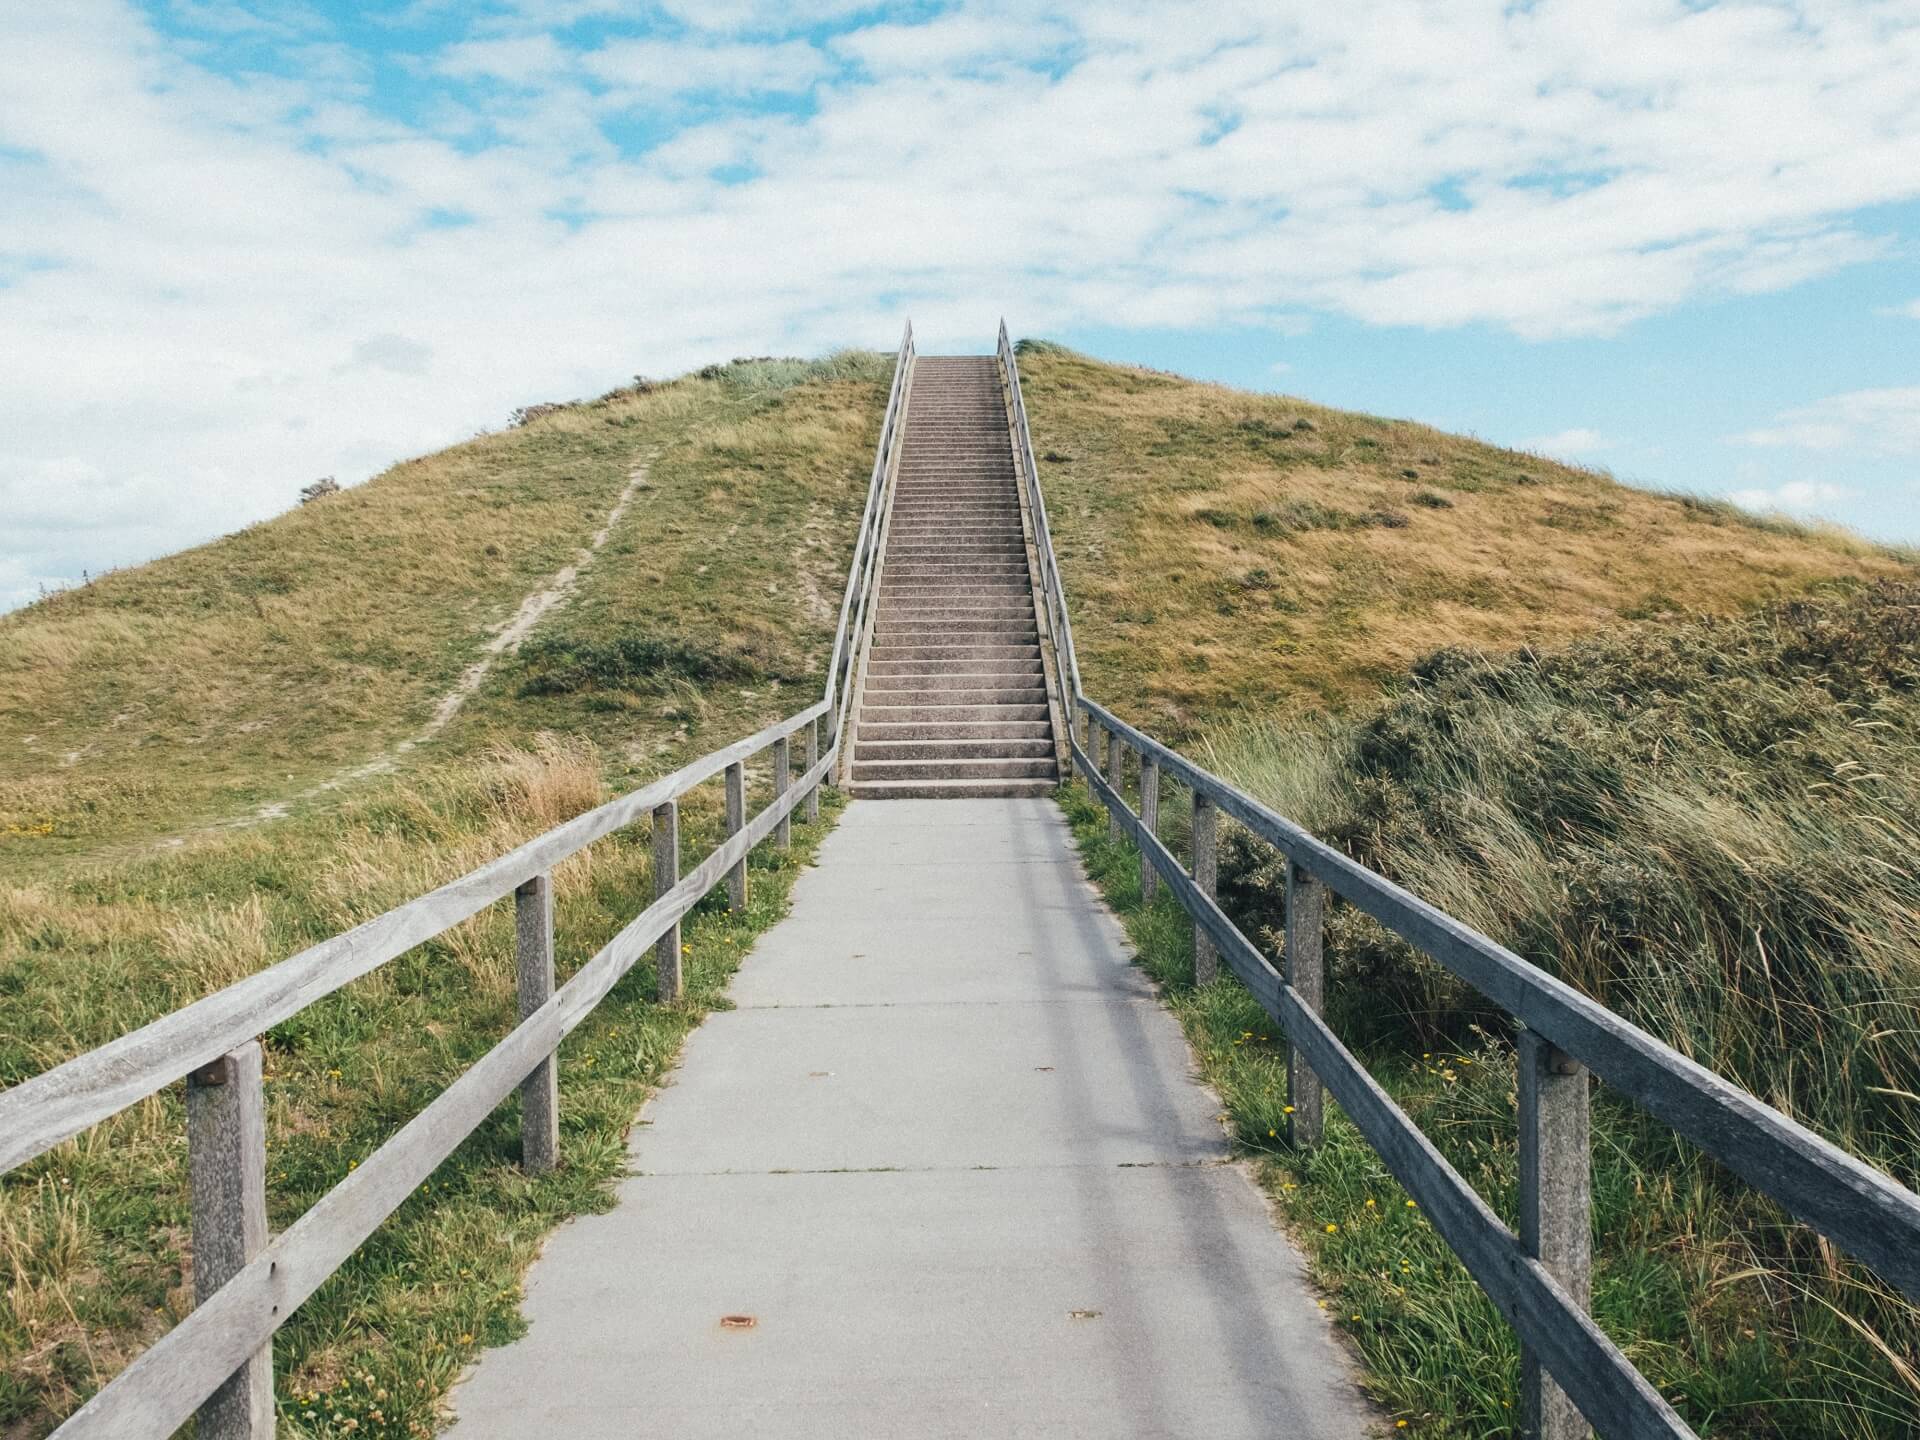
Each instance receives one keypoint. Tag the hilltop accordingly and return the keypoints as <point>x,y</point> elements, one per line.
<point>671,555</point>
<point>1227,551</point>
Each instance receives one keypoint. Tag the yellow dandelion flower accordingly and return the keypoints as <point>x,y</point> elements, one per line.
<point>1332,1229</point>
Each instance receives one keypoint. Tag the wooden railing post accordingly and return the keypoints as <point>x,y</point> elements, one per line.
<point>1150,817</point>
<point>1206,875</point>
<point>1306,972</point>
<point>736,822</point>
<point>813,759</point>
<point>1117,778</point>
<point>227,1172</point>
<point>533,962</point>
<point>782,778</point>
<point>668,968</point>
<point>1556,1195</point>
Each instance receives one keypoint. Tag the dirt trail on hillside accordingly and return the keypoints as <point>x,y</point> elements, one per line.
<point>554,592</point>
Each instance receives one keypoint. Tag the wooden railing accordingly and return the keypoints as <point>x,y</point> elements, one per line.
<point>218,1360</point>
<point>1058,634</point>
<point>1573,1375</point>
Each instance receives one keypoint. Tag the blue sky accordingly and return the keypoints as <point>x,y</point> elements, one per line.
<point>245,244</point>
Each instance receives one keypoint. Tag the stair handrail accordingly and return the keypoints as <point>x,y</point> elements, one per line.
<point>1052,589</point>
<point>208,1041</point>
<point>1567,1034</point>
<point>844,664</point>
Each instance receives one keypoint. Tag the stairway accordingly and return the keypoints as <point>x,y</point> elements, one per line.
<point>954,701</point>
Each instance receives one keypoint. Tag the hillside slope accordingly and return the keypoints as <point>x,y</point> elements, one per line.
<point>215,760</point>
<point>1227,551</point>
<point>209,762</point>
<point>243,674</point>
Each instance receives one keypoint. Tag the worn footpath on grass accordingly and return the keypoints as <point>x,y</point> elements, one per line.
<point>944,1170</point>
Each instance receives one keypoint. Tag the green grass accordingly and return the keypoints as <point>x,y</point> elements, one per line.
<point>1710,826</point>
<point>1226,550</point>
<point>142,716</point>
<point>93,1235</point>
<point>188,693</point>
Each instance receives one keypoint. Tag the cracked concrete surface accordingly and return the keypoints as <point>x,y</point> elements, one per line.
<point>949,1158</point>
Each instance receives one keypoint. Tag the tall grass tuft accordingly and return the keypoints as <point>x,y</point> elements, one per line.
<point>1710,826</point>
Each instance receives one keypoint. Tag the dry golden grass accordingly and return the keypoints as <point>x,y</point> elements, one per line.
<point>247,672</point>
<point>1226,551</point>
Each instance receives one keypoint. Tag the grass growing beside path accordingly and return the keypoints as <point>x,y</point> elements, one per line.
<point>1710,827</point>
<point>93,1236</point>
<point>163,702</point>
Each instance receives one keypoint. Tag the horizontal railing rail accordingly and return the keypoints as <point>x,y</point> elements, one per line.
<point>1574,1375</point>
<point>844,666</point>
<point>1053,595</point>
<point>216,1362</point>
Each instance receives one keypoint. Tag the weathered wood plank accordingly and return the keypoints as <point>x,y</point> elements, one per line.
<point>1206,879</point>
<point>1150,818</point>
<point>813,759</point>
<point>736,818</point>
<point>227,1170</point>
<point>1248,964</point>
<point>668,971</point>
<point>782,767</point>
<point>1306,974</point>
<point>1866,1212</point>
<point>533,965</point>
<point>38,1114</point>
<point>1602,1381</point>
<point>1052,589</point>
<point>1556,1221</point>
<point>154,1395</point>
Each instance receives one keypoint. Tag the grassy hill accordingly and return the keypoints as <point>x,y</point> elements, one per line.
<point>209,762</point>
<point>213,760</point>
<point>204,686</point>
<point>1670,752</point>
<point>1225,551</point>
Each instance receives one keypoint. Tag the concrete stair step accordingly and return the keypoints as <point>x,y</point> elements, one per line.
<point>950,654</point>
<point>945,613</point>
<point>953,713</point>
<point>975,666</point>
<point>1015,769</point>
<point>929,681</point>
<point>1018,693</point>
<point>953,729</point>
<point>869,748</point>
<point>972,636</point>
<point>947,789</point>
<point>957,598</point>
<point>959,634</point>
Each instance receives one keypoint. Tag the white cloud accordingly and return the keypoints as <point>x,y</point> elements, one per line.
<point>1795,497</point>
<point>1910,310</point>
<point>215,287</point>
<point>1578,441</point>
<point>671,67</point>
<point>516,59</point>
<point>1868,422</point>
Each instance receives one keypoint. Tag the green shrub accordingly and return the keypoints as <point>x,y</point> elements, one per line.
<point>564,665</point>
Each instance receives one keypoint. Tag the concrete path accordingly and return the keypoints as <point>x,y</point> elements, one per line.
<point>948,1153</point>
